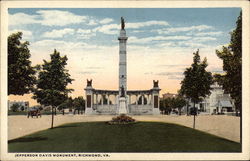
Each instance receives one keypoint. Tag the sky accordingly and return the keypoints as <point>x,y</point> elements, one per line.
<point>160,45</point>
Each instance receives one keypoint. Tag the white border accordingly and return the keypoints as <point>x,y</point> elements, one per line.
<point>131,4</point>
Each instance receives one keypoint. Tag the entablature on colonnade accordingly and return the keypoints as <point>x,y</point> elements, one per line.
<point>129,92</point>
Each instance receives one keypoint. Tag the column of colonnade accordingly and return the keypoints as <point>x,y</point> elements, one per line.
<point>108,97</point>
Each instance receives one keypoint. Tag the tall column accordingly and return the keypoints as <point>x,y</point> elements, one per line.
<point>148,99</point>
<point>102,99</point>
<point>155,98</point>
<point>122,59</point>
<point>108,99</point>
<point>96,99</point>
<point>122,70</point>
<point>89,90</point>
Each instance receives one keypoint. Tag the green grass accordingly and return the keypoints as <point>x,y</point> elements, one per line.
<point>138,137</point>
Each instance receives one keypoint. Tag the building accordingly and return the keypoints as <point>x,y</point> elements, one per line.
<point>23,105</point>
<point>168,95</point>
<point>216,103</point>
<point>122,101</point>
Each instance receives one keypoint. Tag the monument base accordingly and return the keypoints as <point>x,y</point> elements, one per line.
<point>89,111</point>
<point>122,106</point>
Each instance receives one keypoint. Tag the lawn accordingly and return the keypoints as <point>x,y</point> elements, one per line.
<point>138,137</point>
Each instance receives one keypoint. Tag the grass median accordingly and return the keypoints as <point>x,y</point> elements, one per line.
<point>137,137</point>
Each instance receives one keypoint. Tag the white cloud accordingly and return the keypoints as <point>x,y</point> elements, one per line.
<point>108,29</point>
<point>156,38</point>
<point>85,33</point>
<point>47,18</point>
<point>216,33</point>
<point>192,44</point>
<point>59,18</point>
<point>113,28</point>
<point>65,46</point>
<point>202,39</point>
<point>106,20</point>
<point>58,33</point>
<point>26,34</point>
<point>22,19</point>
<point>144,24</point>
<point>92,22</point>
<point>183,29</point>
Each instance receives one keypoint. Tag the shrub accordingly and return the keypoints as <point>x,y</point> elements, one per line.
<point>122,119</point>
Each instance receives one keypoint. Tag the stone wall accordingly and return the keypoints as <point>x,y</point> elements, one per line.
<point>140,109</point>
<point>106,109</point>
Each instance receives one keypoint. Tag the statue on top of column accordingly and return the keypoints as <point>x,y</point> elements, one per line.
<point>122,23</point>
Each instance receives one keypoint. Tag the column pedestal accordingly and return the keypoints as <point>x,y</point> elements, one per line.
<point>122,106</point>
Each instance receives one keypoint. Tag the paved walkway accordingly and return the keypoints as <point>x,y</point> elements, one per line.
<point>223,126</point>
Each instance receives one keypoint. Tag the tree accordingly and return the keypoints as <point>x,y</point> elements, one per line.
<point>21,75</point>
<point>179,102</point>
<point>53,78</point>
<point>166,105</point>
<point>197,81</point>
<point>79,104</point>
<point>231,55</point>
<point>68,103</point>
<point>15,107</point>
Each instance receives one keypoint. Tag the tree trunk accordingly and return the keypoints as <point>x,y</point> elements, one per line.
<point>52,122</point>
<point>194,116</point>
<point>55,111</point>
<point>63,112</point>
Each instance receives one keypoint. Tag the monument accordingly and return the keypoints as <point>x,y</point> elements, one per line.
<point>122,69</point>
<point>146,101</point>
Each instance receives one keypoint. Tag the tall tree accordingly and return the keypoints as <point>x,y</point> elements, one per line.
<point>232,65</point>
<point>21,75</point>
<point>52,82</point>
<point>197,81</point>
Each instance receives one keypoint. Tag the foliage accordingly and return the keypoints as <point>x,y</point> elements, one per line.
<point>167,104</point>
<point>68,103</point>
<point>197,81</point>
<point>15,107</point>
<point>51,88</point>
<point>21,75</point>
<point>179,102</point>
<point>232,65</point>
<point>79,103</point>
<point>121,119</point>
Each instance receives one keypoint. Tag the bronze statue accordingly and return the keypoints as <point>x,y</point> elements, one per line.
<point>156,83</point>
<point>122,23</point>
<point>122,92</point>
<point>89,83</point>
